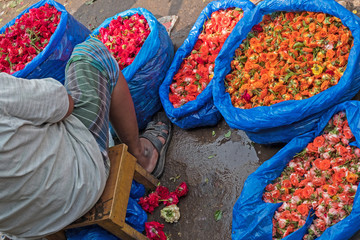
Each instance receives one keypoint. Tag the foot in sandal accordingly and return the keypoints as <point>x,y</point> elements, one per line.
<point>154,142</point>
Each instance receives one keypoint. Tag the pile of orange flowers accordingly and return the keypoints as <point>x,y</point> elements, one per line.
<point>288,56</point>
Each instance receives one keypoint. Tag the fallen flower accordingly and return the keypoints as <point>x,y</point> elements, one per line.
<point>181,190</point>
<point>163,192</point>
<point>154,231</point>
<point>170,213</point>
<point>172,199</point>
<point>150,202</point>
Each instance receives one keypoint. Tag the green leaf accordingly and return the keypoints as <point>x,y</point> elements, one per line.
<point>210,157</point>
<point>213,133</point>
<point>197,76</point>
<point>228,134</point>
<point>90,2</point>
<point>218,215</point>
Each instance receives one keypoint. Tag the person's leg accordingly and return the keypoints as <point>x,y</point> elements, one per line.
<point>123,119</point>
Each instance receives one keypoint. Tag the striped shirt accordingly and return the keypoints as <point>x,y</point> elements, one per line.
<point>91,76</point>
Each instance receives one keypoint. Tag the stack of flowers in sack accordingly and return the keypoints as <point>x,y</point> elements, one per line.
<point>197,70</point>
<point>171,213</point>
<point>23,41</point>
<point>288,56</point>
<point>324,176</point>
<point>124,38</point>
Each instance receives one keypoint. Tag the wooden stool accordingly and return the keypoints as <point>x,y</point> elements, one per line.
<point>110,211</point>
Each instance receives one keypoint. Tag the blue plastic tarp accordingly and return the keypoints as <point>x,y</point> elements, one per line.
<point>51,62</point>
<point>145,75</point>
<point>135,217</point>
<point>252,217</point>
<point>199,112</point>
<point>260,121</point>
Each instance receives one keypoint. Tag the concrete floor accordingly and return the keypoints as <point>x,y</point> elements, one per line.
<point>215,167</point>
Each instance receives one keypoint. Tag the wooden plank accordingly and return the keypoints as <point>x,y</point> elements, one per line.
<point>145,178</point>
<point>125,233</point>
<point>122,187</point>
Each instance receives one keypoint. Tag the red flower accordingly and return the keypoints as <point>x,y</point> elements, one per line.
<point>163,192</point>
<point>181,190</point>
<point>150,202</point>
<point>30,34</point>
<point>154,231</point>
<point>172,199</point>
<point>124,38</point>
<point>257,28</point>
<point>246,96</point>
<point>330,72</point>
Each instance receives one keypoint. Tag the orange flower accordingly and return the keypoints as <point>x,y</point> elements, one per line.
<point>312,27</point>
<point>324,165</point>
<point>325,85</point>
<point>258,48</point>
<point>319,141</point>
<point>286,183</point>
<point>308,50</point>
<point>280,88</point>
<point>317,162</point>
<point>352,177</point>
<point>254,41</point>
<point>320,17</point>
<point>332,190</point>
<point>312,148</point>
<point>272,56</point>
<point>307,192</point>
<point>330,54</point>
<point>333,29</point>
<point>303,209</point>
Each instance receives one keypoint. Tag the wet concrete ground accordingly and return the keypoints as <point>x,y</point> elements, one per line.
<point>215,167</point>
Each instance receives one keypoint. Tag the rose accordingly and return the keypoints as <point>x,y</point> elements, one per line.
<point>25,39</point>
<point>150,202</point>
<point>154,231</point>
<point>171,199</point>
<point>163,192</point>
<point>181,190</point>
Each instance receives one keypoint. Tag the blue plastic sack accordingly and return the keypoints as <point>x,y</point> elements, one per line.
<point>199,112</point>
<point>51,62</point>
<point>135,217</point>
<point>252,217</point>
<point>284,114</point>
<point>137,190</point>
<point>145,75</point>
<point>93,232</point>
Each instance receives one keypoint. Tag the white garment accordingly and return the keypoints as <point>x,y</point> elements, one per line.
<point>51,171</point>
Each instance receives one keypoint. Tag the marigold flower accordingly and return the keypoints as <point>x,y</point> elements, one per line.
<point>317,69</point>
<point>352,177</point>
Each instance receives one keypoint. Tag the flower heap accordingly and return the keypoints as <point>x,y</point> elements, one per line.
<point>324,177</point>
<point>124,38</point>
<point>288,56</point>
<point>197,70</point>
<point>170,213</point>
<point>23,41</point>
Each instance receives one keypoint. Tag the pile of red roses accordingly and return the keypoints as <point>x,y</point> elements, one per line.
<point>23,41</point>
<point>197,70</point>
<point>154,230</point>
<point>124,38</point>
<point>324,177</point>
<point>162,194</point>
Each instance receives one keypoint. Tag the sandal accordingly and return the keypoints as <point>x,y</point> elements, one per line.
<point>154,130</point>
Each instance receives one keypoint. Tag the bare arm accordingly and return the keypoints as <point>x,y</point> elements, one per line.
<point>71,107</point>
